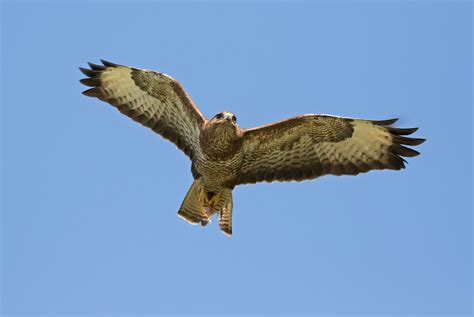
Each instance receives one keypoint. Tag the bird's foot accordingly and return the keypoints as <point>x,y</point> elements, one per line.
<point>209,201</point>
<point>203,197</point>
<point>215,199</point>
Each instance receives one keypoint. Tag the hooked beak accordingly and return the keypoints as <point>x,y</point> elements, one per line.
<point>227,117</point>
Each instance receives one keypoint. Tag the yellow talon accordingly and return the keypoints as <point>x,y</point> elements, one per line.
<point>215,200</point>
<point>202,197</point>
<point>208,201</point>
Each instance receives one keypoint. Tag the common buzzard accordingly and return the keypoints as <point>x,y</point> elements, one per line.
<point>224,155</point>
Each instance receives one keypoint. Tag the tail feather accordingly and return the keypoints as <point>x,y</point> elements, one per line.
<point>193,212</point>
<point>225,216</point>
<point>191,209</point>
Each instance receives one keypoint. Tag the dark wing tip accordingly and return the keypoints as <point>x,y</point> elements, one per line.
<point>95,66</point>
<point>407,141</point>
<point>93,92</point>
<point>384,122</point>
<point>401,131</point>
<point>396,162</point>
<point>397,150</point>
<point>403,150</point>
<point>109,64</point>
<point>418,140</point>
<point>89,72</point>
<point>91,82</point>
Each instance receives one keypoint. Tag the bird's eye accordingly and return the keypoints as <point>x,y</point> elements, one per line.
<point>234,118</point>
<point>219,116</point>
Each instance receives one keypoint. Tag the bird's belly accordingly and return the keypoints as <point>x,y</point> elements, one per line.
<point>217,174</point>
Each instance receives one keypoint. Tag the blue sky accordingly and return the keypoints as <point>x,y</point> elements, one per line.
<point>89,198</point>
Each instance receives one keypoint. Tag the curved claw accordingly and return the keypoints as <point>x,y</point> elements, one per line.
<point>214,201</point>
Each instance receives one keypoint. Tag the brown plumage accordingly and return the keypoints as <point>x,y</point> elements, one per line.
<point>224,155</point>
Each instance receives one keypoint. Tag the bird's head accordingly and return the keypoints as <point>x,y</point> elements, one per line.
<point>225,118</point>
<point>221,137</point>
<point>223,127</point>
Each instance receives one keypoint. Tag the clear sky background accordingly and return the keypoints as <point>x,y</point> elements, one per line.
<point>89,197</point>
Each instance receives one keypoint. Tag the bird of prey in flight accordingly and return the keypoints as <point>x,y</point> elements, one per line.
<point>224,155</point>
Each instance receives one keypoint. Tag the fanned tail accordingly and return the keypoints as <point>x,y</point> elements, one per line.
<point>193,212</point>
<point>191,209</point>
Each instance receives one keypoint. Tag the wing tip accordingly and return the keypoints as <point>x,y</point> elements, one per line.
<point>408,141</point>
<point>399,145</point>
<point>93,79</point>
<point>89,72</point>
<point>92,92</point>
<point>91,82</point>
<point>401,131</point>
<point>386,122</point>
<point>398,151</point>
<point>401,150</point>
<point>95,66</point>
<point>109,64</point>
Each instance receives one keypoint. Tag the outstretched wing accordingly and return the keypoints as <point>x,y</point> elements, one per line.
<point>153,99</point>
<point>309,146</point>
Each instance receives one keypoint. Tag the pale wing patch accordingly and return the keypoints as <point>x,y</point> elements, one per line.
<point>366,147</point>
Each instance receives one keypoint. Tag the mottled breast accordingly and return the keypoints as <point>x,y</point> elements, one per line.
<point>219,158</point>
<point>218,174</point>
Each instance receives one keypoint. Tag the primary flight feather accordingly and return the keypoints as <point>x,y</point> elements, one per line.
<point>224,155</point>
